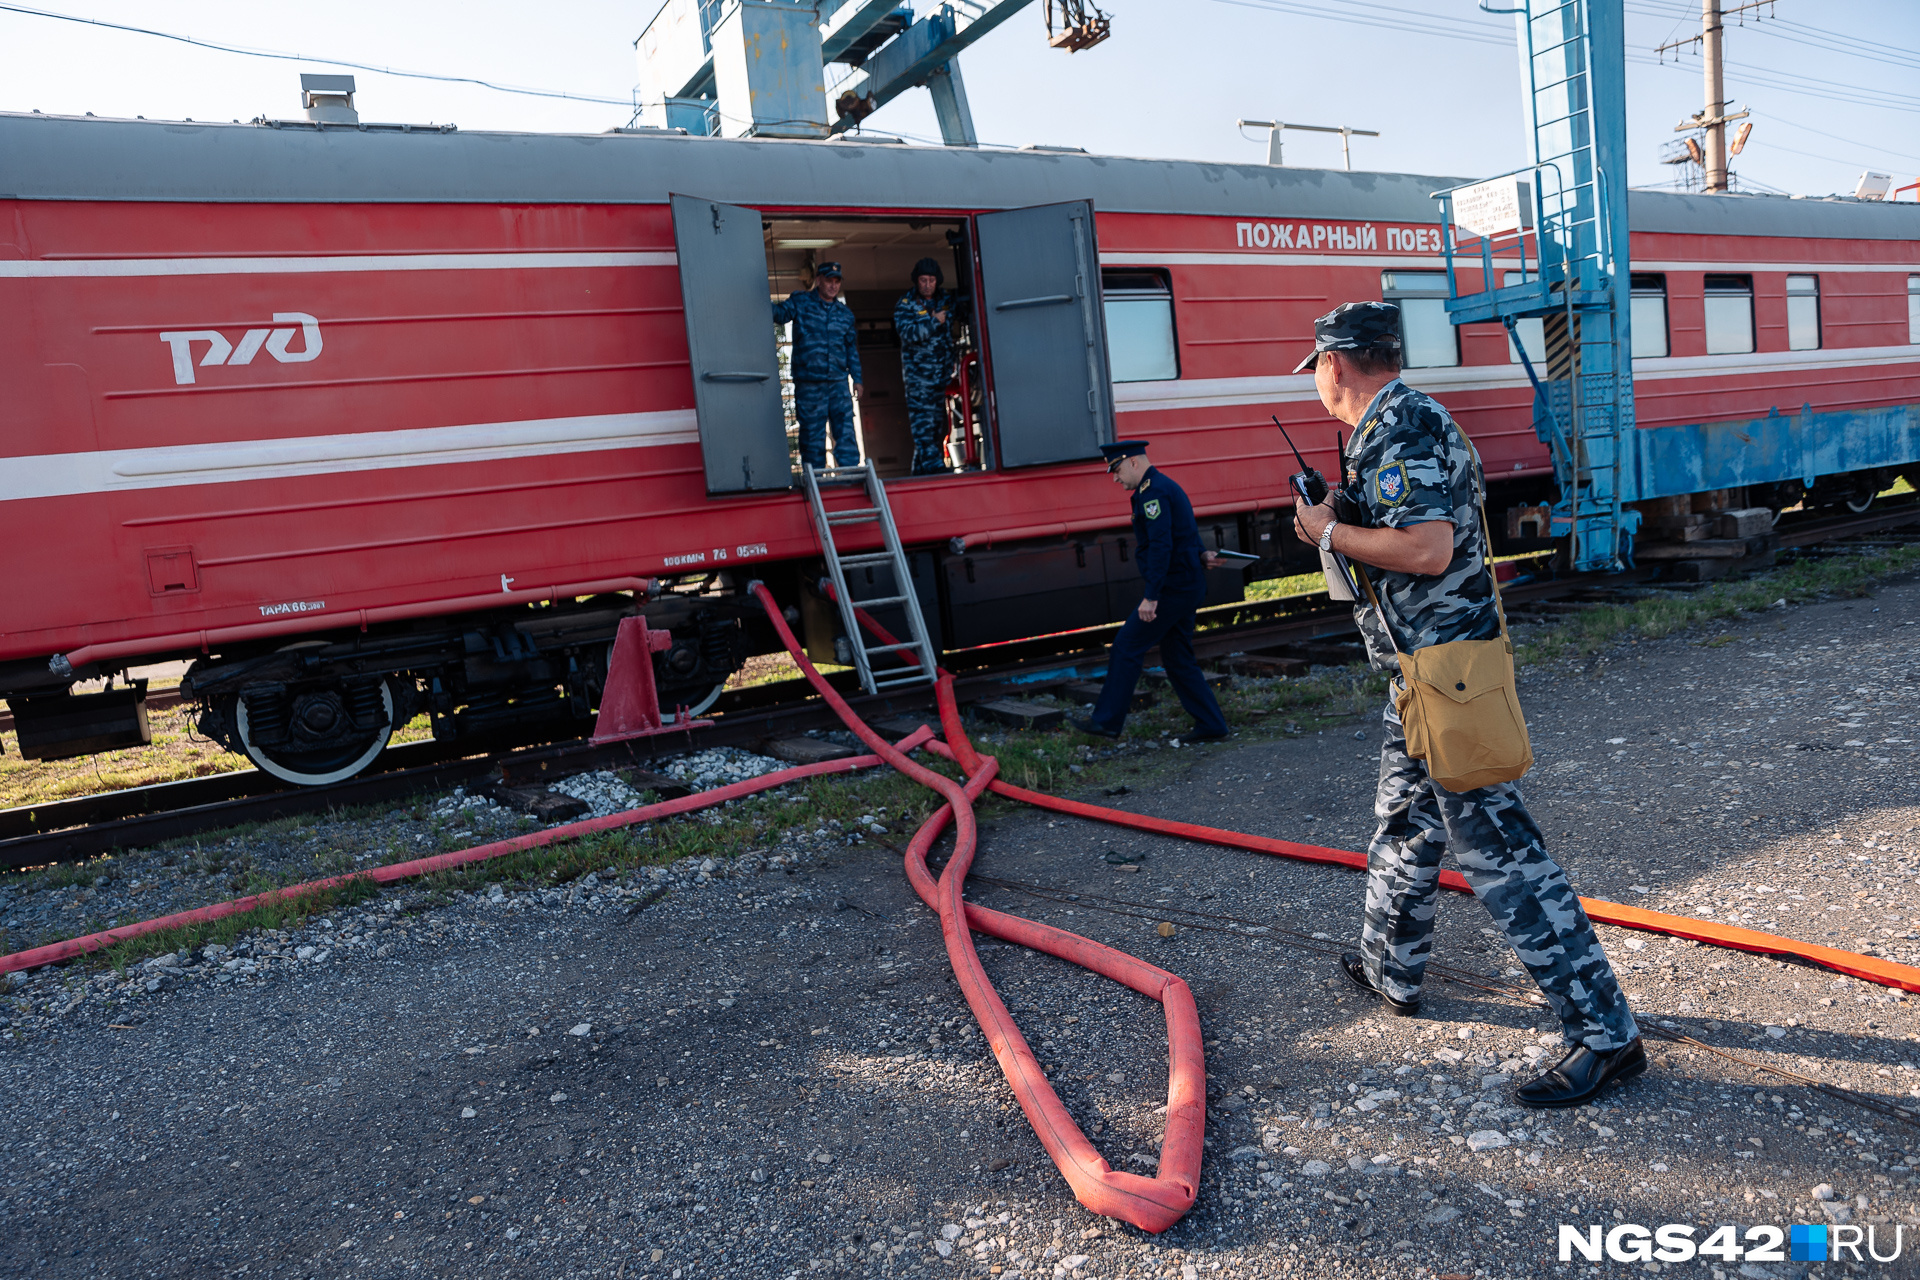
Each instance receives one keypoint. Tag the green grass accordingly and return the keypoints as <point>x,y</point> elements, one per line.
<point>1578,635</point>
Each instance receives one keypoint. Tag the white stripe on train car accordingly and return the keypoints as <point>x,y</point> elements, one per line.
<point>41,268</point>
<point>1432,262</point>
<point>226,462</point>
<point>1202,393</point>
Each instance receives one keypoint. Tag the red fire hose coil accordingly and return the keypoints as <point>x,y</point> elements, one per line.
<point>1153,1204</point>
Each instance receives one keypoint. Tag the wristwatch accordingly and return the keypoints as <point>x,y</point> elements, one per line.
<point>1326,535</point>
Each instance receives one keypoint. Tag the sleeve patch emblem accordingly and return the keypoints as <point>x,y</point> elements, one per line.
<point>1152,508</point>
<point>1390,483</point>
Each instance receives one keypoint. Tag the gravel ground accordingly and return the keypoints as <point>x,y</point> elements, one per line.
<point>768,1071</point>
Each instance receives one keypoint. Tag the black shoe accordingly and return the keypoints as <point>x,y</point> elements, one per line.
<point>1088,726</point>
<point>1197,736</point>
<point>1581,1075</point>
<point>1357,971</point>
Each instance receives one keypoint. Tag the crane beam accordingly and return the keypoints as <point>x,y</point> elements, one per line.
<point>911,58</point>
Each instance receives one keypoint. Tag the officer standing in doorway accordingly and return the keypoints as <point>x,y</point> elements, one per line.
<point>826,353</point>
<point>1415,484</point>
<point>923,319</point>
<point>1174,565</point>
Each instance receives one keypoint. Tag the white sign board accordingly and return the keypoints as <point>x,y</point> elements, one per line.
<point>1493,207</point>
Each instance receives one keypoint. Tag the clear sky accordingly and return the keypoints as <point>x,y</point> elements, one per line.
<point>1834,86</point>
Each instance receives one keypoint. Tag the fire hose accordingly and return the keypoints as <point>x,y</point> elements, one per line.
<point>72,947</point>
<point>1153,1204</point>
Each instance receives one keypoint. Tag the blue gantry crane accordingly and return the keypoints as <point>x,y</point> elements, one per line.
<point>736,68</point>
<point>1555,232</point>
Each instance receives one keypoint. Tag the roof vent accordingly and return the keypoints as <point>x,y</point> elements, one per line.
<point>328,99</point>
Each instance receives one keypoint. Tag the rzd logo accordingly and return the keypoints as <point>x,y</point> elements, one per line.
<point>220,351</point>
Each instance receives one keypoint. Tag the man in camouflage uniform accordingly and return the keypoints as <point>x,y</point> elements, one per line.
<point>826,352</point>
<point>1412,513</point>
<point>923,319</point>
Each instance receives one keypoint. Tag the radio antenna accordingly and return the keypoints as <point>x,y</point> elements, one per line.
<point>1290,444</point>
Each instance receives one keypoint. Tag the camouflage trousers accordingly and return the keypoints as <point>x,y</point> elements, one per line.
<point>1502,855</point>
<point>814,403</point>
<point>927,418</point>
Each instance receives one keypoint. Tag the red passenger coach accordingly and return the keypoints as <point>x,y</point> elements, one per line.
<point>371,420</point>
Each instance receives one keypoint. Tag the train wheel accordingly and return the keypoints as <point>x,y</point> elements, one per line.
<point>317,742</point>
<point>1859,502</point>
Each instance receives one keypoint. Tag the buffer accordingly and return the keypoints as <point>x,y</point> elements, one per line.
<point>898,579</point>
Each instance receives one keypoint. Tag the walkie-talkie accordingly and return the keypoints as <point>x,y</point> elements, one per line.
<point>1310,487</point>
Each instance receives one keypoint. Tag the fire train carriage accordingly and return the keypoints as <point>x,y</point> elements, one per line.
<point>369,420</point>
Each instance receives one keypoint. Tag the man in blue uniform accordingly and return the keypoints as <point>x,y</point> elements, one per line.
<point>1173,564</point>
<point>1414,519</point>
<point>826,353</point>
<point>923,318</point>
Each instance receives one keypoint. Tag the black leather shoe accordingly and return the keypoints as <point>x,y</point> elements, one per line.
<point>1581,1075</point>
<point>1197,736</point>
<point>1358,972</point>
<point>1097,730</point>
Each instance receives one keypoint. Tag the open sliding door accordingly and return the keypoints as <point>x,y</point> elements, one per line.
<point>1047,333</point>
<point>730,341</point>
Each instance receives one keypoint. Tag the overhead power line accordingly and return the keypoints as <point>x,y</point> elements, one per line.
<point>1386,16</point>
<point>303,57</point>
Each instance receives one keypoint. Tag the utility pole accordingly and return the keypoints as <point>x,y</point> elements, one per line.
<point>1713,118</point>
<point>1712,47</point>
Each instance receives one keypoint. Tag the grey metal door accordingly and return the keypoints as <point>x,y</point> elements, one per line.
<point>1046,333</point>
<point>730,341</point>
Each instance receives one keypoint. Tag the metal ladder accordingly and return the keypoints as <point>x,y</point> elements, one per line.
<point>891,556</point>
<point>1579,284</point>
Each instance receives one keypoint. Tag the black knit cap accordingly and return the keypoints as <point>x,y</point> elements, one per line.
<point>928,267</point>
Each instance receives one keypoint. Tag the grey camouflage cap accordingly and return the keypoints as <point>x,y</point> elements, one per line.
<point>1354,326</point>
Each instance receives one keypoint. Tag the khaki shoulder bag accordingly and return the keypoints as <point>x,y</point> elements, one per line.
<point>1458,707</point>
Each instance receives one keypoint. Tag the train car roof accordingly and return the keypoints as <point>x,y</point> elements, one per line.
<point>85,158</point>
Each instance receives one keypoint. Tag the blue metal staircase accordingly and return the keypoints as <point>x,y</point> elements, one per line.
<point>1570,243</point>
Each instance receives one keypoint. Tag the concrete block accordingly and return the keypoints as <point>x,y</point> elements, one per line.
<point>1020,714</point>
<point>1747,522</point>
<point>807,750</point>
<point>1089,691</point>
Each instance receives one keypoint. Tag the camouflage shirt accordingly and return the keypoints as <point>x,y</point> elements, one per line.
<point>826,343</point>
<point>1407,464</point>
<point>926,345</point>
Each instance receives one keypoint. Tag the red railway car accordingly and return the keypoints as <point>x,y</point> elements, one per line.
<point>371,419</point>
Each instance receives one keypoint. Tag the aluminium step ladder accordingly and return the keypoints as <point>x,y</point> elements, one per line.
<point>891,556</point>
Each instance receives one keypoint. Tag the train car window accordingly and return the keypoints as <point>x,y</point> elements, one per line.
<point>1428,339</point>
<point>1532,333</point>
<point>1647,315</point>
<point>1141,345</point>
<point>1803,313</point>
<point>1913,310</point>
<point>1729,313</point>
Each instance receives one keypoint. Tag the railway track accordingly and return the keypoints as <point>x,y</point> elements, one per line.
<point>1277,637</point>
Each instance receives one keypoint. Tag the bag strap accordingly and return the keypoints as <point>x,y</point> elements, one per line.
<point>1486,542</point>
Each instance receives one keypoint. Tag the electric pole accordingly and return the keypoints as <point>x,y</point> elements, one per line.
<point>1712,39</point>
<point>1713,118</point>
